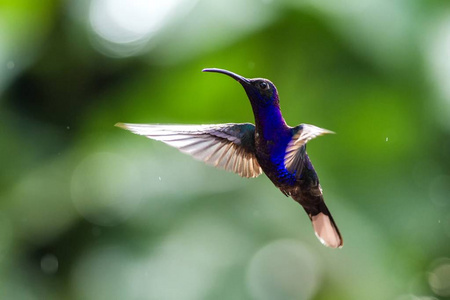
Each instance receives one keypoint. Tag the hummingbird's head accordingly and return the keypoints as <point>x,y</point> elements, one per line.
<point>260,91</point>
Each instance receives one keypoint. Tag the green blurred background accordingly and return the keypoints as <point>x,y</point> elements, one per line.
<point>89,211</point>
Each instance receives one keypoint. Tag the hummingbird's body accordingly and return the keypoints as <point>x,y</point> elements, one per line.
<point>270,149</point>
<point>270,146</point>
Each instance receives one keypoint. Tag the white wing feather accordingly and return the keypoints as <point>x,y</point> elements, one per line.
<point>217,145</point>
<point>305,134</point>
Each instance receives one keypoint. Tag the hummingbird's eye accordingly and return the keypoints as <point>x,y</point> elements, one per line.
<point>263,85</point>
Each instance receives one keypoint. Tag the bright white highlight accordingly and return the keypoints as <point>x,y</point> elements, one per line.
<point>437,43</point>
<point>122,21</point>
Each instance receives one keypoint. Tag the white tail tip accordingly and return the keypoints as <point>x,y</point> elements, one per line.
<point>326,231</point>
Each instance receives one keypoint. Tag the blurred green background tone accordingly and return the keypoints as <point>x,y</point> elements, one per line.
<point>89,211</point>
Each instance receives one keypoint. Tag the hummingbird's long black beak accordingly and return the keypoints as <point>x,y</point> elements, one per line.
<point>237,77</point>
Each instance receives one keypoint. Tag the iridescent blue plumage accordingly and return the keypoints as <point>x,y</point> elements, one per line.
<point>270,146</point>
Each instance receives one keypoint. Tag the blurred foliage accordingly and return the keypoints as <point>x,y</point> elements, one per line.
<point>88,211</point>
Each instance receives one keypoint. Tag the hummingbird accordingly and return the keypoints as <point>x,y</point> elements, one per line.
<point>269,146</point>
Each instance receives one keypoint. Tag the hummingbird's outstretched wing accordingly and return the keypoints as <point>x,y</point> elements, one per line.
<point>226,146</point>
<point>296,149</point>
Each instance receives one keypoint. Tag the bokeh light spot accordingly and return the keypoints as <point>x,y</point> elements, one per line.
<point>284,269</point>
<point>49,264</point>
<point>125,26</point>
<point>439,190</point>
<point>439,278</point>
<point>106,189</point>
<point>10,65</point>
<point>104,273</point>
<point>122,21</point>
<point>437,51</point>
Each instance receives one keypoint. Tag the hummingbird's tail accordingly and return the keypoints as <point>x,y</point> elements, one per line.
<point>324,226</point>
